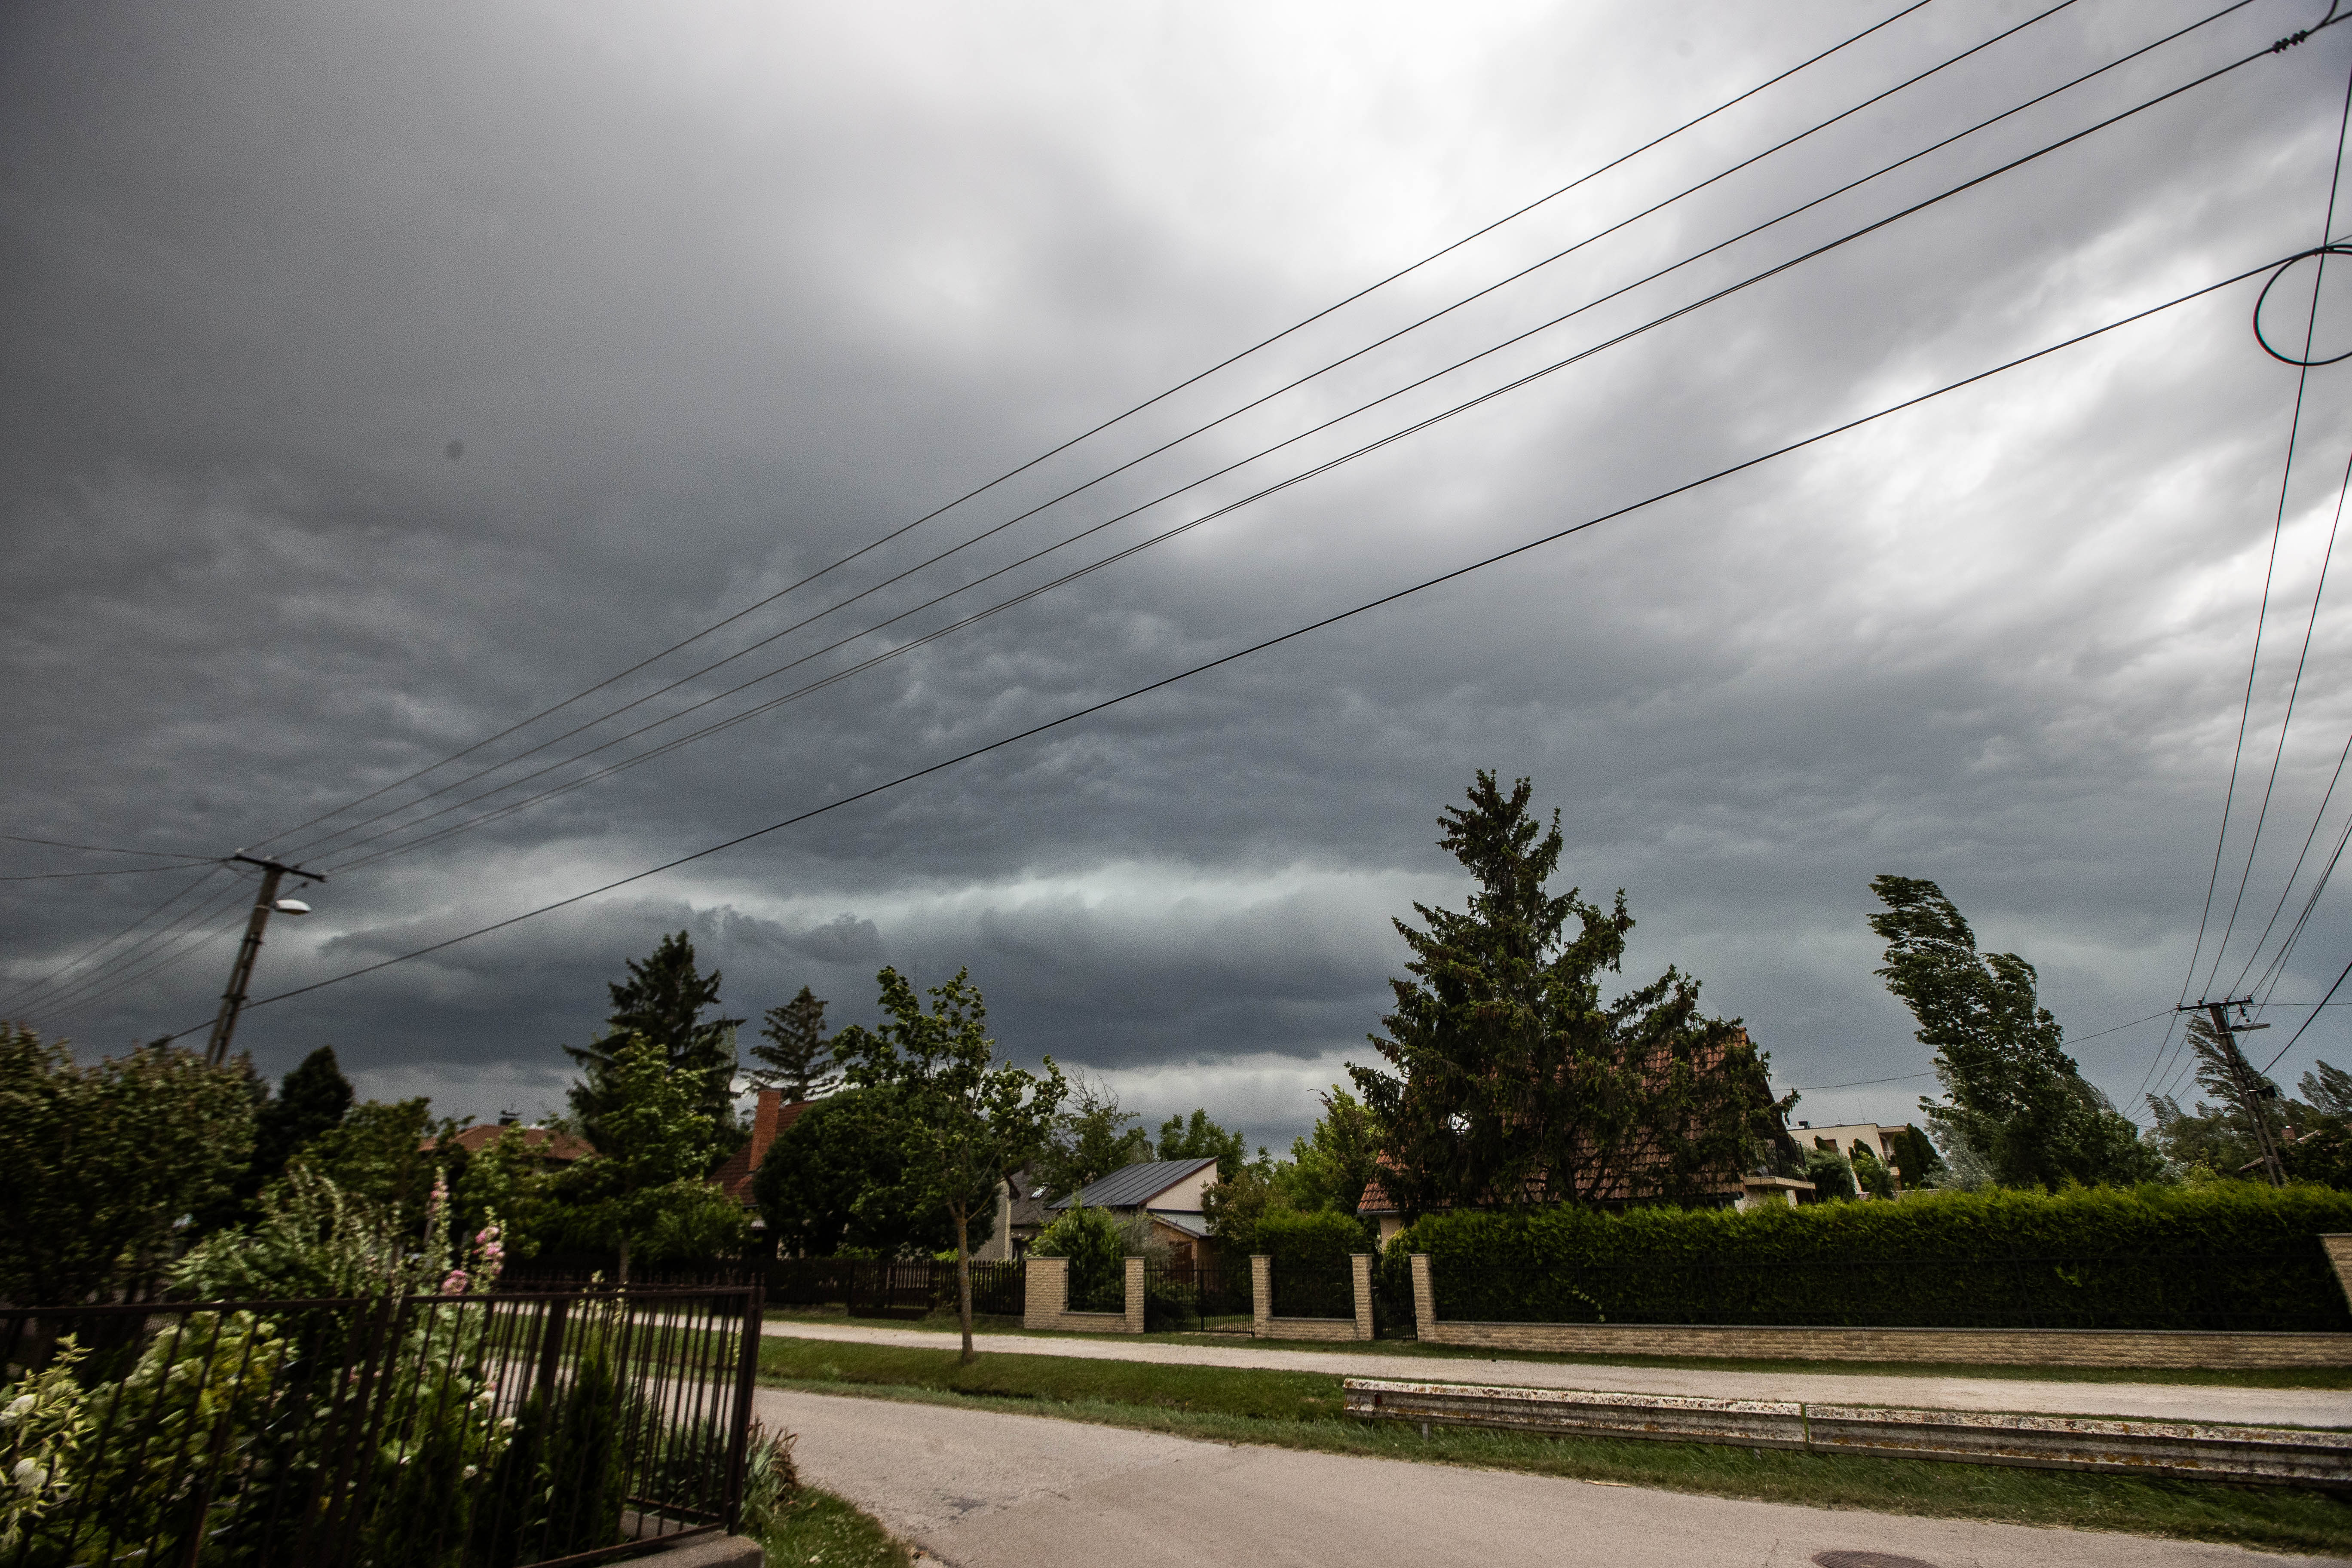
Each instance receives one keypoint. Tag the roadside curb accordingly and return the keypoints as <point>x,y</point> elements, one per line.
<point>2281,1456</point>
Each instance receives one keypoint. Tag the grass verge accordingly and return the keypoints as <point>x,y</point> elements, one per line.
<point>817,1527</point>
<point>2209,1377</point>
<point>1303,1410</point>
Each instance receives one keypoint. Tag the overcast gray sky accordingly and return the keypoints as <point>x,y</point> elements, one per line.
<point>377,377</point>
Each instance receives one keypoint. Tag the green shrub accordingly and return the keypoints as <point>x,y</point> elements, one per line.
<point>1096,1246</point>
<point>2233,1254</point>
<point>1831,1172</point>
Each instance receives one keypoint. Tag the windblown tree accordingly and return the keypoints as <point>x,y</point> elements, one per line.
<point>797,1058</point>
<point>1516,1080</point>
<point>663,1000</point>
<point>1198,1138</point>
<point>965,1117</point>
<point>2013,1097</point>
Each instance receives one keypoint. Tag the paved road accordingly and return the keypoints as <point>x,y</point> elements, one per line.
<point>2152,1401</point>
<point>979,1489</point>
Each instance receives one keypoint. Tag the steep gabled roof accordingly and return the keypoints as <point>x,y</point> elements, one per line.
<point>1133,1186</point>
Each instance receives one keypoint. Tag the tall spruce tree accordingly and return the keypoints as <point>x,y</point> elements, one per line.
<point>2013,1097</point>
<point>1517,1082</point>
<point>798,1058</point>
<point>662,1001</point>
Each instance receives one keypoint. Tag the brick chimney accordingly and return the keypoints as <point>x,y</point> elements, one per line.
<point>764,1112</point>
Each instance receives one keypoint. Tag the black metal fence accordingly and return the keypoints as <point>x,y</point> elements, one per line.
<point>1184,1297</point>
<point>1314,1290</point>
<point>869,1289</point>
<point>2280,1291</point>
<point>490,1431</point>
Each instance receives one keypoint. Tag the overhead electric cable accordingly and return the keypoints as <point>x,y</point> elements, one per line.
<point>187,947</point>
<point>1312,472</point>
<point>342,831</point>
<point>2228,795</point>
<point>84,957</point>
<point>2301,658</point>
<point>1285,637</point>
<point>2278,526</point>
<point>188,854</point>
<point>104,971</point>
<point>1138,408</point>
<point>110,871</point>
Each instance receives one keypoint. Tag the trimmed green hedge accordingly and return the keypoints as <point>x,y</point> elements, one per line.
<point>2231,1256</point>
<point>1319,1240</point>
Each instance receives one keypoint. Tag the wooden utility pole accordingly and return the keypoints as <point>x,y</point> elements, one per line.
<point>2249,1085</point>
<point>240,975</point>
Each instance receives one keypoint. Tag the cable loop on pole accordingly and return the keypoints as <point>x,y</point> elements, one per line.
<point>2279,272</point>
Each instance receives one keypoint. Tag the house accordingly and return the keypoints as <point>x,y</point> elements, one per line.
<point>1021,1214</point>
<point>551,1146</point>
<point>1168,1191</point>
<point>1839,1140</point>
<point>770,1117</point>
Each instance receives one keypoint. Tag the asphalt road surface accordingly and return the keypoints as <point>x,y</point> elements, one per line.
<point>979,1489</point>
<point>2147,1401</point>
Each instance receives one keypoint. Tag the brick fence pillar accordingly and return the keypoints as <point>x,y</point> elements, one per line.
<point>1135,1295</point>
<point>1045,1292</point>
<point>1362,1263</point>
<point>1261,1296</point>
<point>2339,1253</point>
<point>1424,1297</point>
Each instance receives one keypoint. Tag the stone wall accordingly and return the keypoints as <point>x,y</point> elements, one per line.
<point>1984,1347</point>
<point>1265,1325</point>
<point>1045,1289</point>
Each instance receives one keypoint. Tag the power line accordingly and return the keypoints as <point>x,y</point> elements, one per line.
<point>73,992</point>
<point>1857,1083</point>
<point>112,871</point>
<point>1285,637</point>
<point>188,854</point>
<point>311,845</point>
<point>1129,414</point>
<point>651,753</point>
<point>2278,526</point>
<point>109,941</point>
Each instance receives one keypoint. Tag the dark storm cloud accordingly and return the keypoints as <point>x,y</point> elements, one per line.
<point>378,377</point>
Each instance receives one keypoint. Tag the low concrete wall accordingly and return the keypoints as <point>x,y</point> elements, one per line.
<point>2195,1450</point>
<point>1046,1303</point>
<point>1265,1325</point>
<point>2339,1253</point>
<point>1984,1347</point>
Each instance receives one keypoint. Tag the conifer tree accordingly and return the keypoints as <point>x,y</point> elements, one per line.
<point>663,1000</point>
<point>798,1058</point>
<point>1517,1082</point>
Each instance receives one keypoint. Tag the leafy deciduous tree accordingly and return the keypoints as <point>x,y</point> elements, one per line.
<point>1090,1139</point>
<point>838,1177</point>
<point>2014,1096</point>
<point>99,1164</point>
<point>643,1192</point>
<point>1198,1138</point>
<point>969,1118</point>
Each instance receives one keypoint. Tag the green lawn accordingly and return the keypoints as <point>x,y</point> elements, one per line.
<point>1303,1410</point>
<point>2217,1377</point>
<point>819,1528</point>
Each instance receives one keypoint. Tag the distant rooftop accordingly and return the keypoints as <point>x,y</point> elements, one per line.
<point>1133,1186</point>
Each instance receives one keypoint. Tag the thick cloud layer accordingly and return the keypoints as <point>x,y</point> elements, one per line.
<point>379,377</point>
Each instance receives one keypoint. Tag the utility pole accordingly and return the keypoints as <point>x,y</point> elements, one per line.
<point>2248,1083</point>
<point>240,975</point>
